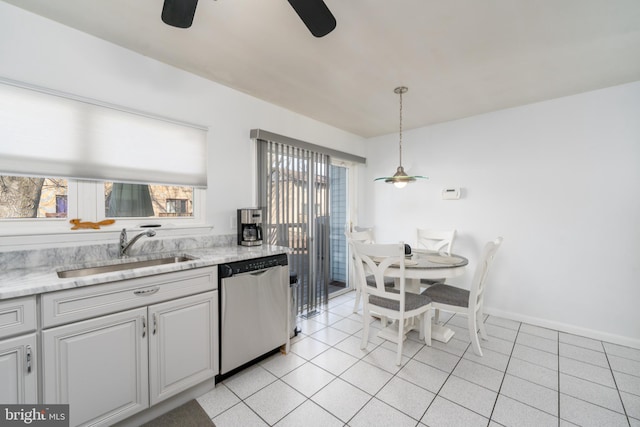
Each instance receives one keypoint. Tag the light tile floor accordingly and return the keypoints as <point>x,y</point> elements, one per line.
<point>528,376</point>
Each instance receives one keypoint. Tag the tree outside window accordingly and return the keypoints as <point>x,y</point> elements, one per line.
<point>32,197</point>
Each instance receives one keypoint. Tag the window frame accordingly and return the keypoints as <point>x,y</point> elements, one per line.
<point>85,200</point>
<point>132,222</point>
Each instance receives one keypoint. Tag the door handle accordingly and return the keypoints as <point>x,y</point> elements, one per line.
<point>155,323</point>
<point>145,292</point>
<point>28,357</point>
<point>144,326</point>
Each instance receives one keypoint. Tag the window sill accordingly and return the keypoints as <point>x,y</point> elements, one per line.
<point>11,240</point>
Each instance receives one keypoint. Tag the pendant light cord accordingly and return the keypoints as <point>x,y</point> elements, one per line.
<point>400,90</point>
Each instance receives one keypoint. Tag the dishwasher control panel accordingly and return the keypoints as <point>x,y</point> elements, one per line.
<point>254,264</point>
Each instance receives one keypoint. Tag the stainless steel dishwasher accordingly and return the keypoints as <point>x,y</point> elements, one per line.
<point>254,310</point>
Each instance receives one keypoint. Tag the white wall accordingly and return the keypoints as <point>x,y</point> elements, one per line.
<point>42,52</point>
<point>559,180</point>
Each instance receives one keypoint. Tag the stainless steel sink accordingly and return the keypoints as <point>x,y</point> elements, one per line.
<point>88,271</point>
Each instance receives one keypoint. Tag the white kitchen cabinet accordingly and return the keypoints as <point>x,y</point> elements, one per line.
<point>18,350</point>
<point>18,373</point>
<point>110,367</point>
<point>183,350</point>
<point>98,367</point>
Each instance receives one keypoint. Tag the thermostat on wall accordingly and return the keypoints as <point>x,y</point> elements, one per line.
<point>451,194</point>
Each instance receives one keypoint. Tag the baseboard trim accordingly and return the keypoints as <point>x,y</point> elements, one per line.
<point>564,327</point>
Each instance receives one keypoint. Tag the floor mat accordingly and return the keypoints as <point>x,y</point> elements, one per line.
<point>190,414</point>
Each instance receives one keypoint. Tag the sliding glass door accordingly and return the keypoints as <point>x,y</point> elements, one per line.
<point>294,188</point>
<point>339,218</point>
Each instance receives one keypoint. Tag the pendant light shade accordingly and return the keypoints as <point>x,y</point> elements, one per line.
<point>400,179</point>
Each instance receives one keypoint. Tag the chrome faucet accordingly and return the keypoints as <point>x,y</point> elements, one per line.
<point>125,246</point>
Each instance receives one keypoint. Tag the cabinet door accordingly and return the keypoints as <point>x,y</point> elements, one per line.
<point>18,376</point>
<point>183,345</point>
<point>99,367</point>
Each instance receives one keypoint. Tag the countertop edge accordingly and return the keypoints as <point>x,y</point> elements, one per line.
<point>25,282</point>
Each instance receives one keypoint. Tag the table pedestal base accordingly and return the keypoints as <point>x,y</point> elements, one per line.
<point>390,332</point>
<point>441,333</point>
<point>438,332</point>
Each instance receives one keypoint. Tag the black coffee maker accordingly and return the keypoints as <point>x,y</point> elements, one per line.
<point>250,227</point>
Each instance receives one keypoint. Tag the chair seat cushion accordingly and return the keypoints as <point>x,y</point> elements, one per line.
<point>411,301</point>
<point>389,282</point>
<point>446,294</point>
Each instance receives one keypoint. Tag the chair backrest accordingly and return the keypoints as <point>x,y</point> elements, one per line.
<point>375,259</point>
<point>365,236</point>
<point>476,293</point>
<point>435,240</point>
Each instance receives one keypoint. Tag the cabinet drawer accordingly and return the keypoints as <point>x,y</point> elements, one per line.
<point>17,316</point>
<point>77,304</point>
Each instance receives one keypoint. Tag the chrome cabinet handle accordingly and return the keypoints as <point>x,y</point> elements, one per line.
<point>145,292</point>
<point>144,326</point>
<point>155,323</point>
<point>28,356</point>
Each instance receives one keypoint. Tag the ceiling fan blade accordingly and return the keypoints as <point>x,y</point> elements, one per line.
<point>179,13</point>
<point>315,15</point>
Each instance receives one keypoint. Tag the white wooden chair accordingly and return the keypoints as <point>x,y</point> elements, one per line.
<point>469,302</point>
<point>396,304</point>
<point>437,241</point>
<point>363,235</point>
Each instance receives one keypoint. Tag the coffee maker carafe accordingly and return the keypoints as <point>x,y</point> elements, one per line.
<point>250,227</point>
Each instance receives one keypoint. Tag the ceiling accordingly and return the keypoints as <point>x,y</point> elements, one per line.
<point>457,57</point>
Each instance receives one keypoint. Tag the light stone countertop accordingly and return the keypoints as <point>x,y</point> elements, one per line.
<point>32,281</point>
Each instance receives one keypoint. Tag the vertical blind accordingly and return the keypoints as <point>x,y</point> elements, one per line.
<point>45,133</point>
<point>293,187</point>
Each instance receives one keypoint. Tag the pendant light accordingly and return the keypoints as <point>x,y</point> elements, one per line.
<point>400,179</point>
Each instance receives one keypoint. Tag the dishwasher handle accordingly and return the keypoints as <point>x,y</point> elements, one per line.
<point>259,272</point>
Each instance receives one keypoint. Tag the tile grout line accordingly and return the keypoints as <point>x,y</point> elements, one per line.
<point>505,370</point>
<point>624,408</point>
<point>449,374</point>
<point>359,360</point>
<point>558,359</point>
<point>306,399</point>
<point>394,375</point>
<point>578,377</point>
<point>330,382</point>
<point>243,401</point>
<point>525,379</point>
<point>383,386</point>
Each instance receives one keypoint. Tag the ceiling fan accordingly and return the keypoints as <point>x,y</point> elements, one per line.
<point>314,13</point>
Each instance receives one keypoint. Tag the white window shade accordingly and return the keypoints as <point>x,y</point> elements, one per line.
<point>48,134</point>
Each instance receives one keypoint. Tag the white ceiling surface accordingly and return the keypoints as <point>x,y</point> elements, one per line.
<point>458,57</point>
